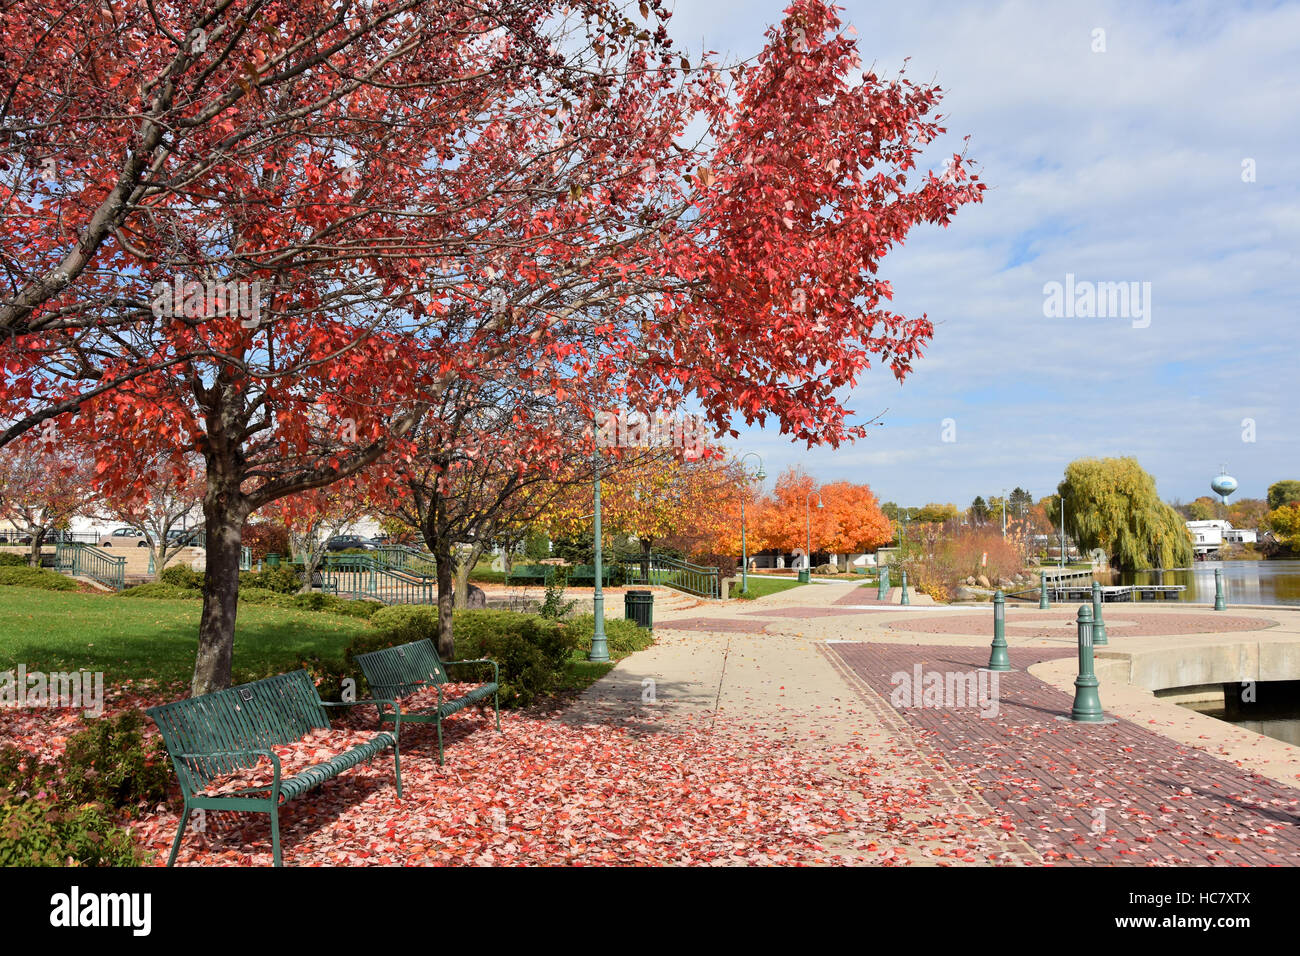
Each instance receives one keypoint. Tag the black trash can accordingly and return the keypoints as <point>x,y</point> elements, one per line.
<point>639,606</point>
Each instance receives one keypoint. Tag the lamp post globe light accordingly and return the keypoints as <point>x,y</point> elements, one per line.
<point>744,552</point>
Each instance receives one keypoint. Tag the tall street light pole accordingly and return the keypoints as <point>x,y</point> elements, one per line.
<point>744,552</point>
<point>599,645</point>
<point>807,513</point>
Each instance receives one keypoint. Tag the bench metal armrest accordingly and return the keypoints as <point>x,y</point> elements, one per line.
<point>275,763</point>
<point>496,668</point>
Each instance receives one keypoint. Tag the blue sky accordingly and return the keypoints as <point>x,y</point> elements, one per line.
<point>1117,166</point>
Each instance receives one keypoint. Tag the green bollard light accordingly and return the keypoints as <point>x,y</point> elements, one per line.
<point>1043,603</point>
<point>999,660</point>
<point>1087,702</point>
<point>882,583</point>
<point>1098,625</point>
<point>904,599</point>
<point>1220,603</point>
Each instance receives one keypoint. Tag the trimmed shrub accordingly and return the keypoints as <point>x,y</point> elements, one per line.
<point>533,652</point>
<point>25,577</point>
<point>110,763</point>
<point>622,636</point>
<point>182,576</point>
<point>8,559</point>
<point>284,580</point>
<point>403,623</point>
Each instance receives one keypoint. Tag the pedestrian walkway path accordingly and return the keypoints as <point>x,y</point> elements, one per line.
<point>811,667</point>
<point>1090,793</point>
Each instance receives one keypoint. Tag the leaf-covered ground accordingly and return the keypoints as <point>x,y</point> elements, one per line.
<point>546,791</point>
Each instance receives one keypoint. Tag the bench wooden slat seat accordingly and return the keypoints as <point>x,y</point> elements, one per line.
<point>405,670</point>
<point>219,734</point>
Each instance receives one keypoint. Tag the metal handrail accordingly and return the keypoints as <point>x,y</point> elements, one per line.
<point>85,561</point>
<point>696,579</point>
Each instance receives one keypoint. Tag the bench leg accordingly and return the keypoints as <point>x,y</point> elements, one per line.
<point>439,741</point>
<point>275,837</point>
<point>397,768</point>
<point>180,832</point>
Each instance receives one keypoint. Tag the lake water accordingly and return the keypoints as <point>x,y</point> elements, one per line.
<point>1284,727</point>
<point>1246,582</point>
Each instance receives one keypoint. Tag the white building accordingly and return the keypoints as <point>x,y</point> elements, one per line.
<point>1210,535</point>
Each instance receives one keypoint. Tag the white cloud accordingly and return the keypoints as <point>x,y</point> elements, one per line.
<point>1115,166</point>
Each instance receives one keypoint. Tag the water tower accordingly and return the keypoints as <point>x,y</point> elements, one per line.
<point>1223,484</point>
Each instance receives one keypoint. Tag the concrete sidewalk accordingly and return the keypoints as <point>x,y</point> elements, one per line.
<point>779,667</point>
<point>739,679</point>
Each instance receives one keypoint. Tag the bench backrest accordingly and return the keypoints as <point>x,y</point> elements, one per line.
<point>404,669</point>
<point>275,710</point>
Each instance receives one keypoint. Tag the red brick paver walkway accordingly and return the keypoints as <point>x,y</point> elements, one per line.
<point>1088,793</point>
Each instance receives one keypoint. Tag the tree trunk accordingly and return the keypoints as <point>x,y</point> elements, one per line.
<point>38,542</point>
<point>646,545</point>
<point>225,515</point>
<point>446,599</point>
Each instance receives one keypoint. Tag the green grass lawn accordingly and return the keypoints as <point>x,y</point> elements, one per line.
<point>760,586</point>
<point>147,639</point>
<point>154,639</point>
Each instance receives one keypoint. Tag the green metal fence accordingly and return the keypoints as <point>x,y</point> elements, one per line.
<point>401,558</point>
<point>84,561</point>
<point>365,575</point>
<point>669,572</point>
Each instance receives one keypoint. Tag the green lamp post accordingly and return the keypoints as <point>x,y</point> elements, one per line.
<point>1087,702</point>
<point>1220,603</point>
<point>744,552</point>
<point>903,598</point>
<point>806,574</point>
<point>1043,603</point>
<point>1098,625</point>
<point>599,645</point>
<point>999,659</point>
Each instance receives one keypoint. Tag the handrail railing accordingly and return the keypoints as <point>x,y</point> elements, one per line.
<point>85,561</point>
<point>695,579</point>
<point>402,558</point>
<point>367,576</point>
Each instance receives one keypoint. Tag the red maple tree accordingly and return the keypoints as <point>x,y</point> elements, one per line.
<point>277,241</point>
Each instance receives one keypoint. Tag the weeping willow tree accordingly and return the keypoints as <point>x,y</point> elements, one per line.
<point>1111,504</point>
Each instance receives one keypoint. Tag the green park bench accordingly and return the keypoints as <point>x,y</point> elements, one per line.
<point>229,730</point>
<point>397,672</point>
<point>586,574</point>
<point>531,574</point>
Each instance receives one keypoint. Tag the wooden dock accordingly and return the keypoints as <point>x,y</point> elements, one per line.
<point>1114,592</point>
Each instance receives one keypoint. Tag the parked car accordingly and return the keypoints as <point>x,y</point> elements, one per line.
<point>182,537</point>
<point>350,542</point>
<point>125,538</point>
